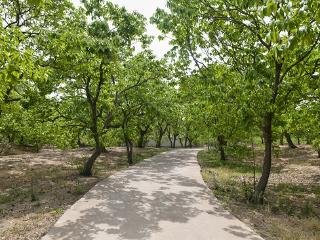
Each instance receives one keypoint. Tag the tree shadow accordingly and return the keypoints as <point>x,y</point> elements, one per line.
<point>132,204</point>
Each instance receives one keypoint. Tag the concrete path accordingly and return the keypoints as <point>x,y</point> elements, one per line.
<point>162,198</point>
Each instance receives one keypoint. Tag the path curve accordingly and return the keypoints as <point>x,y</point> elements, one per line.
<point>161,198</point>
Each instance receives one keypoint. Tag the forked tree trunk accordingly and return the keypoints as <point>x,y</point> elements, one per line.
<point>174,140</point>
<point>289,140</point>
<point>266,168</point>
<point>180,140</point>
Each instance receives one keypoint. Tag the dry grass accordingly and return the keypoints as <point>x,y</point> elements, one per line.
<point>292,201</point>
<point>36,188</point>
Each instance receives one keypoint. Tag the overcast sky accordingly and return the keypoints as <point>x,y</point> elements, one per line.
<point>147,8</point>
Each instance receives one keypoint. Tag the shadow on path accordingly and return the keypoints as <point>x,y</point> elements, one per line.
<point>161,198</point>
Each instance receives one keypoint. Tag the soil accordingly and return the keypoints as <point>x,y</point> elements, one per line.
<point>36,188</point>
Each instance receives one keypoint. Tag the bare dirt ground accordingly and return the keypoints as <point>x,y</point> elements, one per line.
<point>292,201</point>
<point>36,188</point>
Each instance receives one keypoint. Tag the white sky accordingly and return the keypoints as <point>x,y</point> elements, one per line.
<point>147,8</point>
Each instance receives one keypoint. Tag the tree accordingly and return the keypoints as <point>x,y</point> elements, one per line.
<point>86,54</point>
<point>266,42</point>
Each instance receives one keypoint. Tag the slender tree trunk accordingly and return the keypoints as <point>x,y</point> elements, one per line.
<point>221,144</point>
<point>185,142</point>
<point>318,153</point>
<point>141,140</point>
<point>298,140</point>
<point>159,140</point>
<point>170,139</point>
<point>129,147</point>
<point>266,168</point>
<point>174,140</point>
<point>180,140</point>
<point>142,134</point>
<point>289,140</point>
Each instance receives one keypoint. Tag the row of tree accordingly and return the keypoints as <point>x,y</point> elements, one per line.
<point>258,65</point>
<point>72,77</point>
<point>238,70</point>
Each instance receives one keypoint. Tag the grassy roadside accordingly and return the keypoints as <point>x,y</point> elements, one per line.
<point>292,206</point>
<point>36,188</point>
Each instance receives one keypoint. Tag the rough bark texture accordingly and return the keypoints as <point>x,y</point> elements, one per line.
<point>289,140</point>
<point>266,168</point>
<point>88,165</point>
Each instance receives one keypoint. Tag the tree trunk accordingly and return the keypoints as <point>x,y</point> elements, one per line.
<point>318,153</point>
<point>221,144</point>
<point>142,134</point>
<point>129,147</point>
<point>174,140</point>
<point>141,140</point>
<point>298,140</point>
<point>180,140</point>
<point>266,168</point>
<point>185,142</point>
<point>170,139</point>
<point>289,140</point>
<point>159,140</point>
<point>87,168</point>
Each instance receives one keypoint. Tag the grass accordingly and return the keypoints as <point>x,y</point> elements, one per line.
<point>292,206</point>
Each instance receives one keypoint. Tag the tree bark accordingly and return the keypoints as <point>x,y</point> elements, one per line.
<point>221,144</point>
<point>158,142</point>
<point>170,139</point>
<point>174,140</point>
<point>190,143</point>
<point>88,165</point>
<point>129,147</point>
<point>266,168</point>
<point>180,140</point>
<point>185,142</point>
<point>289,140</point>
<point>161,132</point>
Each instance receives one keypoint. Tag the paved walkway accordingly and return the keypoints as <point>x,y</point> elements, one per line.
<point>162,198</point>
